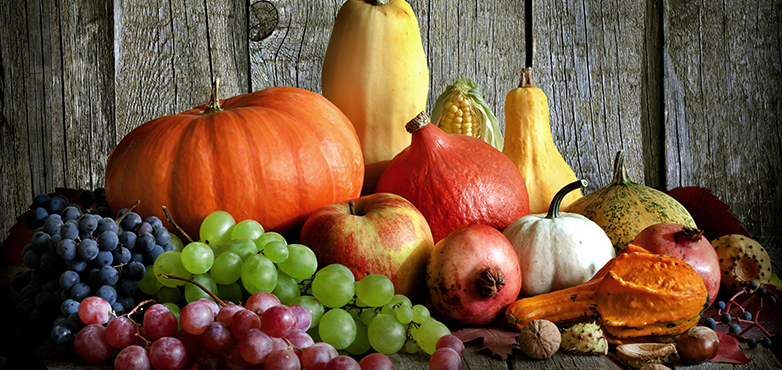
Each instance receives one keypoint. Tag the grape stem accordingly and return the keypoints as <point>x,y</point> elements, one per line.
<point>218,300</point>
<point>138,306</point>
<point>120,218</point>
<point>755,322</point>
<point>146,341</point>
<point>171,220</point>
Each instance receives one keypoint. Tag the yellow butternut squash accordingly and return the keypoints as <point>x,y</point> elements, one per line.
<point>375,71</point>
<point>529,144</point>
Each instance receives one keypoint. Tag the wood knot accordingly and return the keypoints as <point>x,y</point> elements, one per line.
<point>263,20</point>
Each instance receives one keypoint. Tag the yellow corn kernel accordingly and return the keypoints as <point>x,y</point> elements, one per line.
<point>460,109</point>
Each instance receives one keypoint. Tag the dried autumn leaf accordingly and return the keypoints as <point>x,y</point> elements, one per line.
<point>729,351</point>
<point>497,340</point>
<point>709,213</point>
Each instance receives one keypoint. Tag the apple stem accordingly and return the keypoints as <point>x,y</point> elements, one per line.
<point>352,207</point>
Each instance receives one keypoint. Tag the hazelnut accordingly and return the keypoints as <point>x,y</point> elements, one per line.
<point>698,344</point>
<point>540,339</point>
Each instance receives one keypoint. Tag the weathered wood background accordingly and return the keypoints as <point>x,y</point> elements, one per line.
<point>692,90</point>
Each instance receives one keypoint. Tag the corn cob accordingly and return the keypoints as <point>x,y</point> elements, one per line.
<point>460,109</point>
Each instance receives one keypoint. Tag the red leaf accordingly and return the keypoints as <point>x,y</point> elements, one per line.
<point>497,340</point>
<point>709,213</point>
<point>729,351</point>
<point>18,236</point>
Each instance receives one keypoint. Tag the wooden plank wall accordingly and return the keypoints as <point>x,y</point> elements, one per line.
<point>691,90</point>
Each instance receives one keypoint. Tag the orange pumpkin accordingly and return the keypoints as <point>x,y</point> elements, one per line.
<point>274,156</point>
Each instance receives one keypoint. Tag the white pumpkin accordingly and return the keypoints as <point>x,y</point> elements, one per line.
<point>558,250</point>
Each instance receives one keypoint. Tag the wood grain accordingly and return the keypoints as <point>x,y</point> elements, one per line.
<point>602,65</point>
<point>693,101</point>
<point>16,181</point>
<point>589,59</point>
<point>691,90</point>
<point>723,96</point>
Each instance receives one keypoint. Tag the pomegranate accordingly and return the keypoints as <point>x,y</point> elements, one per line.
<point>688,244</point>
<point>473,274</point>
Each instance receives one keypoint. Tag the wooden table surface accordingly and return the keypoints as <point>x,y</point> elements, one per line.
<point>762,359</point>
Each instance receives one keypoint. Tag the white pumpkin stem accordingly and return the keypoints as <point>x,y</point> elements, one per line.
<point>553,209</point>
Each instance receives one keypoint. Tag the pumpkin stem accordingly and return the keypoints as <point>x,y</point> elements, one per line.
<point>171,220</point>
<point>490,282</point>
<point>417,123</point>
<point>214,103</point>
<point>526,78</point>
<point>621,176</point>
<point>553,209</point>
<point>378,2</point>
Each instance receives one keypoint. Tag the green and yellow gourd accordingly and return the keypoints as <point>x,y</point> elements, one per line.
<point>624,207</point>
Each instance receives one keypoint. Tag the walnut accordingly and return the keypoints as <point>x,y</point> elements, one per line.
<point>539,339</point>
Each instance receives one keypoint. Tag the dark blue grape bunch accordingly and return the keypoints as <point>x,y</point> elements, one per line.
<point>81,250</point>
<point>744,320</point>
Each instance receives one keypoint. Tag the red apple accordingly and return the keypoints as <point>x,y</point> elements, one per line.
<point>379,233</point>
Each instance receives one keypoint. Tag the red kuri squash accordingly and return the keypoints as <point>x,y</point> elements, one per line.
<point>455,180</point>
<point>274,156</point>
